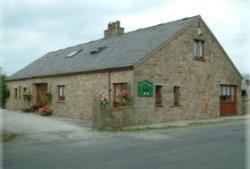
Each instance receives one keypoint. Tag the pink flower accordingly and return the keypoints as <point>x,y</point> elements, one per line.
<point>124,93</point>
<point>103,97</point>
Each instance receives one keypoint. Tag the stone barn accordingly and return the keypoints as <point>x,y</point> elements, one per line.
<point>172,71</point>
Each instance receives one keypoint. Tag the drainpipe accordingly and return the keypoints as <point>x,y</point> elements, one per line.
<point>109,88</point>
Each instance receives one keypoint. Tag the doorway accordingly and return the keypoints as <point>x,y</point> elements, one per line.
<point>227,100</point>
<point>41,89</point>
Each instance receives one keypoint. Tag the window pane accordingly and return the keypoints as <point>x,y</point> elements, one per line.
<point>195,48</point>
<point>176,95</point>
<point>117,89</point>
<point>227,93</point>
<point>232,90</point>
<point>158,94</point>
<point>121,91</point>
<point>232,93</point>
<point>228,90</point>
<point>200,49</point>
<point>124,86</point>
<point>60,91</point>
<point>224,89</point>
<point>15,93</point>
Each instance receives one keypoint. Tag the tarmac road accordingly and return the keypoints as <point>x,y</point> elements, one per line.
<point>217,146</point>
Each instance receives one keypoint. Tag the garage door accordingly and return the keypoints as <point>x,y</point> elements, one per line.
<point>227,100</point>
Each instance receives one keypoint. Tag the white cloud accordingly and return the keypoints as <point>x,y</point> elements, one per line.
<point>226,18</point>
<point>32,28</point>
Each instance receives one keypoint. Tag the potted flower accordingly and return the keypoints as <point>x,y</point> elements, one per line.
<point>123,99</point>
<point>46,100</point>
<point>27,98</point>
<point>104,103</point>
<point>27,109</point>
<point>46,111</point>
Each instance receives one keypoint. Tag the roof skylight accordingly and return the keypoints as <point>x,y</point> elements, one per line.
<point>73,53</point>
<point>97,50</point>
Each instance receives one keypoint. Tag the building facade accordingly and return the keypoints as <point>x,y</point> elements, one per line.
<point>191,75</point>
<point>245,94</point>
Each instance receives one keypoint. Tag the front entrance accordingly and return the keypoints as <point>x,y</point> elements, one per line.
<point>227,100</point>
<point>41,89</point>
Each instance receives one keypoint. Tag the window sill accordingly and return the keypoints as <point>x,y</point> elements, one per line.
<point>199,59</point>
<point>60,101</point>
<point>122,107</point>
<point>158,105</point>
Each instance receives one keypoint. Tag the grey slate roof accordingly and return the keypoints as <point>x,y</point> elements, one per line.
<point>121,51</point>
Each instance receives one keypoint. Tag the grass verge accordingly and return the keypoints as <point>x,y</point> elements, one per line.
<point>5,137</point>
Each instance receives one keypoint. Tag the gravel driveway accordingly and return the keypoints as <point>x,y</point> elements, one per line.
<point>32,127</point>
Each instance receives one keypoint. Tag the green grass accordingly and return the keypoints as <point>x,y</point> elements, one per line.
<point>7,137</point>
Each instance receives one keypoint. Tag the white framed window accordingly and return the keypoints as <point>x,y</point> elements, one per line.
<point>227,92</point>
<point>60,91</point>
<point>198,49</point>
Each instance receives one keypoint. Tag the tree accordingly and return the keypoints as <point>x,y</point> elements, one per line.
<point>4,90</point>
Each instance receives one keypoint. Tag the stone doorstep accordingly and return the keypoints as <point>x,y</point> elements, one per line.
<point>185,123</point>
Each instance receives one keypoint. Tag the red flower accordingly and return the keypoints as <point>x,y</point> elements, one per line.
<point>124,93</point>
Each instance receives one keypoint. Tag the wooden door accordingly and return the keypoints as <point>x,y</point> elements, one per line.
<point>40,90</point>
<point>228,100</point>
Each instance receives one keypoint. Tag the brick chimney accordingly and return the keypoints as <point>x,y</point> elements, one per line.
<point>113,29</point>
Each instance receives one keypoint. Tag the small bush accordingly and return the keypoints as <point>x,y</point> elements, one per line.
<point>27,109</point>
<point>27,96</point>
<point>46,111</point>
<point>4,90</point>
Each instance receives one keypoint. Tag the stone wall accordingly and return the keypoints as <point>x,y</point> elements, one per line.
<point>111,117</point>
<point>79,91</point>
<point>199,80</point>
<point>245,98</point>
<point>245,104</point>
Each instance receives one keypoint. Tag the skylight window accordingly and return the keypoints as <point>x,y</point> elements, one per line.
<point>73,53</point>
<point>97,50</point>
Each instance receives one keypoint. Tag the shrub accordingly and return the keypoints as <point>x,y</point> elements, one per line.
<point>27,96</point>
<point>46,111</point>
<point>31,108</point>
<point>27,109</point>
<point>46,99</point>
<point>124,99</point>
<point>5,92</point>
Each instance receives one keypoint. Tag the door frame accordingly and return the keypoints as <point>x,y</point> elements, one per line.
<point>229,99</point>
<point>43,87</point>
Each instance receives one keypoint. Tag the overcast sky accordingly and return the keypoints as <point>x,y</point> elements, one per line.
<point>31,28</point>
